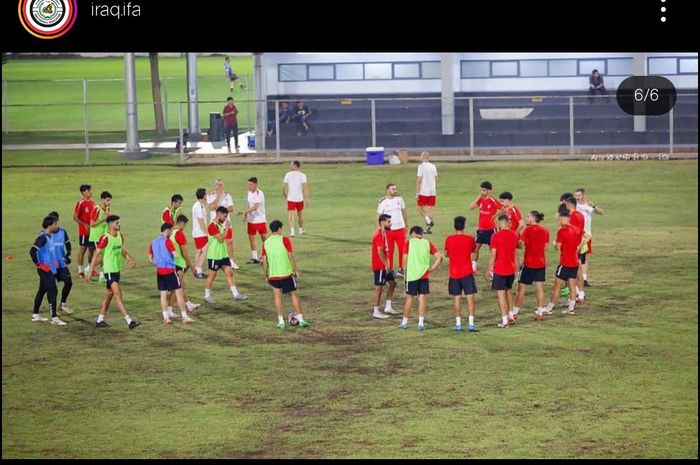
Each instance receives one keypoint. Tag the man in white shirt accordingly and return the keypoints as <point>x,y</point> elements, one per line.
<point>587,208</point>
<point>199,230</point>
<point>220,198</point>
<point>392,204</point>
<point>254,215</point>
<point>295,190</point>
<point>426,190</point>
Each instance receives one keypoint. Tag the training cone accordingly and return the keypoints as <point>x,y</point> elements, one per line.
<point>10,257</point>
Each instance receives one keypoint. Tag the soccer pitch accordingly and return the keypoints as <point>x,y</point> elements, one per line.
<point>618,380</point>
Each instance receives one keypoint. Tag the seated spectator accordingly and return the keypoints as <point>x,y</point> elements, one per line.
<point>285,116</point>
<point>596,85</point>
<point>301,114</point>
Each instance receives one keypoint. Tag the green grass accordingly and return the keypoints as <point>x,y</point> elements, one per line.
<point>46,95</point>
<point>619,380</point>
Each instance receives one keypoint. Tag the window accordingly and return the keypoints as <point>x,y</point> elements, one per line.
<point>504,68</point>
<point>533,68</point>
<point>475,69</point>
<point>292,72</point>
<point>431,70</point>
<point>322,72</point>
<point>620,66</point>
<point>377,70</point>
<point>348,72</point>
<point>663,66</point>
<point>688,65</point>
<point>586,67</point>
<point>406,71</point>
<point>563,68</point>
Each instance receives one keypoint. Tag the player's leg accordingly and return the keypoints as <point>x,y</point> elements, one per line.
<point>520,297</point>
<point>503,307</point>
<point>164,305</point>
<point>279,309</point>
<point>106,300</point>
<point>400,244</point>
<point>290,218</point>
<point>571,303</point>
<point>81,255</point>
<point>67,286</point>
<point>182,305</point>
<point>40,293</point>
<point>422,305</point>
<point>296,305</point>
<point>389,297</point>
<point>213,268</point>
<point>232,284</point>
<point>253,249</point>
<point>300,219</point>
<point>457,312</point>
<point>471,308</point>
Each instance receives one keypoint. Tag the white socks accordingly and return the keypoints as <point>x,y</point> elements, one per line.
<point>207,293</point>
<point>388,304</point>
<point>234,291</point>
<point>100,318</point>
<point>471,319</point>
<point>427,219</point>
<point>404,321</point>
<point>515,310</point>
<point>254,254</point>
<point>128,319</point>
<point>458,321</point>
<point>280,319</point>
<point>421,321</point>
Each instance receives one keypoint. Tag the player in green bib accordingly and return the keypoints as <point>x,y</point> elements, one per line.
<point>98,227</point>
<point>217,254</point>
<point>113,252</point>
<point>417,261</point>
<point>281,272</point>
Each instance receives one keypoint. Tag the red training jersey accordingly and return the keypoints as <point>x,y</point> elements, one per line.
<point>576,219</point>
<point>570,238</point>
<point>83,208</point>
<point>180,238</point>
<point>214,231</point>
<point>459,249</point>
<point>504,242</point>
<point>535,238</point>
<point>487,208</point>
<point>379,241</point>
<point>515,217</point>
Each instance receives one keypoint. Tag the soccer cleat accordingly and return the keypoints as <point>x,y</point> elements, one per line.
<point>56,321</point>
<point>291,234</point>
<point>564,291</point>
<point>565,310</point>
<point>201,276</point>
<point>398,273</point>
<point>380,315</point>
<point>390,311</point>
<point>546,312</point>
<point>429,230</point>
<point>173,315</point>
<point>134,323</point>
<point>280,325</point>
<point>66,309</point>
<point>234,265</point>
<point>301,231</point>
<point>252,261</point>
<point>240,296</point>
<point>503,326</point>
<point>538,316</point>
<point>585,283</point>
<point>209,300</point>
<point>472,328</point>
<point>193,307</point>
<point>37,317</point>
<point>432,223</point>
<point>403,326</point>
<point>101,324</point>
<point>421,327</point>
<point>457,328</point>
<point>571,312</point>
<point>304,324</point>
<point>511,321</point>
<point>187,320</point>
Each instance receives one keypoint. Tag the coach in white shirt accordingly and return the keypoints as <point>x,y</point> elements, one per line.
<point>255,217</point>
<point>199,230</point>
<point>426,193</point>
<point>393,204</point>
<point>219,198</point>
<point>295,190</point>
<point>587,208</point>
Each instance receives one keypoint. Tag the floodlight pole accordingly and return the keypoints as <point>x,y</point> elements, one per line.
<point>192,101</point>
<point>85,122</point>
<point>132,132</point>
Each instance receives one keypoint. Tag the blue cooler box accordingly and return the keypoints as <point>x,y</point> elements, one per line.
<point>251,142</point>
<point>375,155</point>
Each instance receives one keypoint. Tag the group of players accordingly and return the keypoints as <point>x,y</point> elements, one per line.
<point>501,229</point>
<point>100,236</point>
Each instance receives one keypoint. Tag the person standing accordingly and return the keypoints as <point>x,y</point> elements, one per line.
<point>510,210</point>
<point>98,227</point>
<point>417,257</point>
<point>112,247</point>
<point>232,77</point>
<point>535,240</point>
<point>295,189</point>
<point>182,260</point>
<point>382,270</point>
<point>162,254</point>
<point>392,204</point>
<point>254,216</point>
<point>199,231</point>
<point>577,219</point>
<point>587,208</point>
<point>217,255</point>
<point>281,271</point>
<point>220,198</point>
<point>502,266</point>
<point>568,243</point>
<point>487,205</point>
<point>62,249</point>
<point>426,190</point>
<point>173,210</point>
<point>43,254</point>
<point>459,248</point>
<point>230,113</point>
<point>81,215</point>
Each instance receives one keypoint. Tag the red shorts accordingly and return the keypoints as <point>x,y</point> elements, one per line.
<point>200,242</point>
<point>298,206</point>
<point>590,247</point>
<point>426,201</point>
<point>260,228</point>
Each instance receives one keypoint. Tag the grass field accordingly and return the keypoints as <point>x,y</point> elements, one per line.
<point>46,95</point>
<point>619,380</point>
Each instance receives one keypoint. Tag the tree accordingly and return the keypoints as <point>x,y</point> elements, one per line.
<point>155,88</point>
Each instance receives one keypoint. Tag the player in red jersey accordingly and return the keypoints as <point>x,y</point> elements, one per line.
<point>380,267</point>
<point>170,213</point>
<point>459,248</point>
<point>502,266</point>
<point>488,205</point>
<point>577,219</point>
<point>535,240</point>
<point>81,215</point>
<point>568,242</point>
<point>511,210</point>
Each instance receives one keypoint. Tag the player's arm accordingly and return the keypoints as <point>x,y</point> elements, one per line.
<point>213,205</point>
<point>492,261</point>
<point>95,221</point>
<point>34,253</point>
<point>284,190</point>
<point>263,261</point>
<point>101,244</point>
<point>419,180</point>
<point>75,216</point>
<point>68,247</point>
<point>382,257</point>
<point>294,264</point>
<point>186,256</point>
<point>405,216</point>
<point>596,209</point>
<point>475,203</point>
<point>438,260</point>
<point>584,239</point>
<point>252,208</point>
<point>307,197</point>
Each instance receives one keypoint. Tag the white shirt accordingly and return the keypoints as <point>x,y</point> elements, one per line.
<point>587,212</point>
<point>199,211</point>
<point>225,201</point>
<point>295,181</point>
<point>428,172</point>
<point>256,216</point>
<point>394,208</point>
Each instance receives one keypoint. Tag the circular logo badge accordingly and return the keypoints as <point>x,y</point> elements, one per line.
<point>47,19</point>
